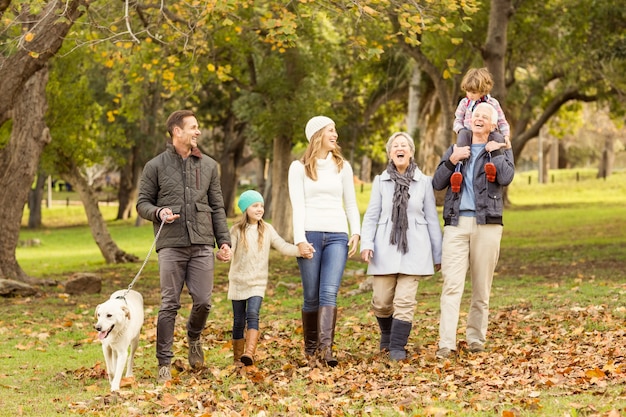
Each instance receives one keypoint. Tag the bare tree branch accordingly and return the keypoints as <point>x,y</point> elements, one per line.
<point>127,20</point>
<point>555,104</point>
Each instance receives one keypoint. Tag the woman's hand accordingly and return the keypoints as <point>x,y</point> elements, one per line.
<point>306,250</point>
<point>353,243</point>
<point>367,255</point>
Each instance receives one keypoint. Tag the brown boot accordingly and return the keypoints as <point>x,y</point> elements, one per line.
<point>238,345</point>
<point>309,331</point>
<point>326,334</point>
<point>252,336</point>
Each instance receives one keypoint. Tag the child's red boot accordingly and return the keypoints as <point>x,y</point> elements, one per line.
<point>455,182</point>
<point>490,171</point>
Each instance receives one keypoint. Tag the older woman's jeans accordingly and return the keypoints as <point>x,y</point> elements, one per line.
<point>321,275</point>
<point>246,311</point>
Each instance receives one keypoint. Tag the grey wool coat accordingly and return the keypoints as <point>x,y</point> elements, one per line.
<point>423,235</point>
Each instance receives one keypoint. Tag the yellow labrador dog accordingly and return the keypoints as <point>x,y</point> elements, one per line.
<point>119,321</point>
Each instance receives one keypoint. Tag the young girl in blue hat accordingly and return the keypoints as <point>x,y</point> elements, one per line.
<point>251,240</point>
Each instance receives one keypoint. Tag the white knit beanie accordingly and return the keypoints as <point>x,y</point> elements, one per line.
<point>316,124</point>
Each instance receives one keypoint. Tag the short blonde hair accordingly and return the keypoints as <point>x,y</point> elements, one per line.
<point>477,80</point>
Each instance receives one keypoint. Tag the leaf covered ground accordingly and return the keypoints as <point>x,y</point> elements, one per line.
<point>556,347</point>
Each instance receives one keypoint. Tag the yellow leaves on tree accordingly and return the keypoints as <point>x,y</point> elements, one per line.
<point>222,72</point>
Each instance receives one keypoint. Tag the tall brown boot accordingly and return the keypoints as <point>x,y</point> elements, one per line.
<point>238,346</point>
<point>309,331</point>
<point>326,334</point>
<point>252,337</point>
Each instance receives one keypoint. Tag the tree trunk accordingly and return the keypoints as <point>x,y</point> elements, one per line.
<point>146,142</point>
<point>35,197</point>
<point>494,51</point>
<point>608,157</point>
<point>19,67</point>
<point>415,98</point>
<point>228,182</point>
<point>267,192</point>
<point>232,158</point>
<point>110,251</point>
<point>23,78</point>
<point>127,189</point>
<point>281,206</point>
<point>19,161</point>
<point>366,169</point>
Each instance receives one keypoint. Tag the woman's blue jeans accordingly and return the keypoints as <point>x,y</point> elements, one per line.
<point>321,275</point>
<point>246,311</point>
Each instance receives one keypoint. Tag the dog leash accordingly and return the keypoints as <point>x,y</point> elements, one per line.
<point>156,237</point>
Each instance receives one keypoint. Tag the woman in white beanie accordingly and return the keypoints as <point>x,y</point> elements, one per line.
<point>321,188</point>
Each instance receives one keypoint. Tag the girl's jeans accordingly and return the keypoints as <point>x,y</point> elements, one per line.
<point>246,311</point>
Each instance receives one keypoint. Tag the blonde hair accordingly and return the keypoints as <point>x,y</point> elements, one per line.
<point>243,224</point>
<point>309,159</point>
<point>477,80</point>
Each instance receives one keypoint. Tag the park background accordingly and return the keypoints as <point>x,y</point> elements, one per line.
<point>87,87</point>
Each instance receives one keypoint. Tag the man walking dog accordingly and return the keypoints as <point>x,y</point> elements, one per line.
<point>181,187</point>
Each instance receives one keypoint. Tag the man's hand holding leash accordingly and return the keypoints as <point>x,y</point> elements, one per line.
<point>166,215</point>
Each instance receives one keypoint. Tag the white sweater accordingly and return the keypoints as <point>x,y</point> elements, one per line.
<point>248,272</point>
<point>319,205</point>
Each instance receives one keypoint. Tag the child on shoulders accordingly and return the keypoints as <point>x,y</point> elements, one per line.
<point>477,84</point>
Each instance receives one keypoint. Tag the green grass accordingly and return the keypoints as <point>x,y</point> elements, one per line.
<point>556,338</point>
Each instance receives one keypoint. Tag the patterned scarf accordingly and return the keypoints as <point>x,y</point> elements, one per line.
<point>399,216</point>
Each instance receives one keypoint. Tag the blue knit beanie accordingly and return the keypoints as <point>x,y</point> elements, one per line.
<point>248,198</point>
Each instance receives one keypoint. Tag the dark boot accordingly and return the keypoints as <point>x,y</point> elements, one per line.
<point>309,332</point>
<point>252,337</point>
<point>400,331</point>
<point>326,334</point>
<point>238,346</point>
<point>385,332</point>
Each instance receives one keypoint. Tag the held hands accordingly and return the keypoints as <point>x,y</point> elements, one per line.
<point>224,254</point>
<point>167,216</point>
<point>306,250</point>
<point>353,243</point>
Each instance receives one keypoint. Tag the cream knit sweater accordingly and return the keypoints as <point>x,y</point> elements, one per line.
<point>325,205</point>
<point>249,266</point>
